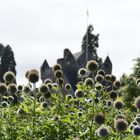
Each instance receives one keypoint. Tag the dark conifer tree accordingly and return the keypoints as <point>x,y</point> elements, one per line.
<point>7,62</point>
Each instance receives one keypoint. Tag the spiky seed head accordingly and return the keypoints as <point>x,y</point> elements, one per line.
<point>69,96</point>
<point>136,130</point>
<point>21,112</point>
<point>10,99</point>
<point>44,104</point>
<point>12,89</point>
<point>27,73</point>
<point>117,84</point>
<point>27,89</point>
<point>79,93</point>
<point>138,81</point>
<point>20,87</point>
<point>41,99</point>
<point>82,72</point>
<point>47,95</point>
<point>98,86</point>
<point>101,72</point>
<point>121,125</point>
<point>80,114</point>
<point>137,119</point>
<point>60,82</point>
<point>134,123</point>
<point>3,89</point>
<point>57,67</point>
<point>137,102</point>
<point>112,78</point>
<point>49,85</point>
<point>92,65</point>
<point>43,88</point>
<point>4,104</point>
<point>113,94</point>
<point>89,82</point>
<point>100,118</point>
<point>107,77</point>
<point>9,77</point>
<point>109,103</point>
<point>99,78</point>
<point>46,81</point>
<point>68,86</point>
<point>103,131</point>
<point>33,76</point>
<point>58,74</point>
<point>118,104</point>
<point>96,100</point>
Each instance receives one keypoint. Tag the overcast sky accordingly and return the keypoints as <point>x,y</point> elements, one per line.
<point>42,29</point>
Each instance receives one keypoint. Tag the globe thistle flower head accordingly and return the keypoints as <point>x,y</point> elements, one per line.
<point>47,95</point>
<point>99,78</point>
<point>98,86</point>
<point>44,104</point>
<point>68,86</point>
<point>9,77</point>
<point>136,130</point>
<point>103,131</point>
<point>109,103</point>
<point>117,84</point>
<point>100,118</point>
<point>43,88</point>
<point>4,104</point>
<point>20,87</point>
<point>46,81</point>
<point>107,77</point>
<point>3,89</point>
<point>69,96</point>
<point>80,114</point>
<point>137,102</point>
<point>89,82</point>
<point>82,72</point>
<point>121,125</point>
<point>138,115</point>
<point>137,119</point>
<point>57,67</point>
<point>41,99</point>
<point>27,89</point>
<point>138,81</point>
<point>58,74</point>
<point>20,112</point>
<point>118,104</point>
<point>27,73</point>
<point>92,65</point>
<point>12,89</point>
<point>112,78</point>
<point>49,85</point>
<point>113,94</point>
<point>33,76</point>
<point>101,72</point>
<point>79,93</point>
<point>10,99</point>
<point>134,123</point>
<point>96,100</point>
<point>60,82</point>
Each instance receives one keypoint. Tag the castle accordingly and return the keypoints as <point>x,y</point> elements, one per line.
<point>71,63</point>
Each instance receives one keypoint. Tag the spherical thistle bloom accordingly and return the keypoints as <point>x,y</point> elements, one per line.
<point>82,72</point>
<point>68,86</point>
<point>117,84</point>
<point>96,100</point>
<point>58,74</point>
<point>100,118</point>
<point>138,81</point>
<point>43,88</point>
<point>27,73</point>
<point>60,82</point>
<point>46,81</point>
<point>107,77</point>
<point>79,114</point>
<point>20,112</point>
<point>121,125</point>
<point>33,76</point>
<point>109,103</point>
<point>10,99</point>
<point>89,100</point>
<point>47,95</point>
<point>44,104</point>
<point>57,67</point>
<point>92,65</point>
<point>136,130</point>
<point>79,93</point>
<point>119,116</point>
<point>9,77</point>
<point>69,96</point>
<point>112,78</point>
<point>20,87</point>
<point>113,94</point>
<point>3,89</point>
<point>99,78</point>
<point>89,82</point>
<point>118,104</point>
<point>98,86</point>
<point>138,115</point>
<point>137,102</point>
<point>103,131</point>
<point>101,72</point>
<point>12,89</point>
<point>4,104</point>
<point>49,85</point>
<point>41,99</point>
<point>27,89</point>
<point>137,119</point>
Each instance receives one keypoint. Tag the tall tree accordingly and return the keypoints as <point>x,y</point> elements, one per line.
<point>7,62</point>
